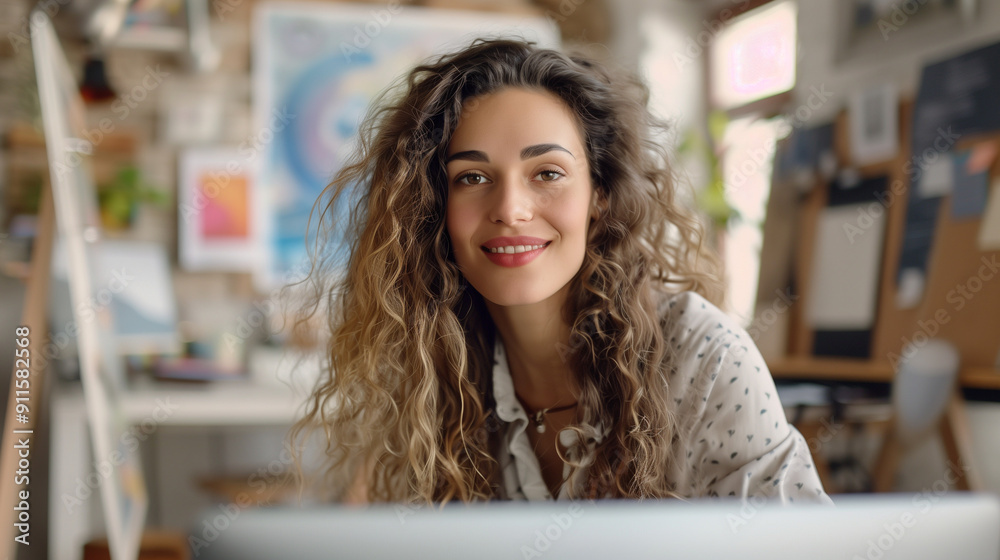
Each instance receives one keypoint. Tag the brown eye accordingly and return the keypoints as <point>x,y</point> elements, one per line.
<point>549,175</point>
<point>471,179</point>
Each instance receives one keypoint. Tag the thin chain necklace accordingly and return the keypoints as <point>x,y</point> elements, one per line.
<point>538,417</point>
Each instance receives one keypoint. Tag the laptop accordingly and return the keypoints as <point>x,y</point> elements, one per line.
<point>872,527</point>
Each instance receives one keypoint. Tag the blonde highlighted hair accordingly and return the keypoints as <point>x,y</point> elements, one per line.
<point>406,397</point>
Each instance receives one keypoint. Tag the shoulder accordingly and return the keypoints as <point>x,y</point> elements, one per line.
<point>712,360</point>
<point>692,324</point>
<point>733,437</point>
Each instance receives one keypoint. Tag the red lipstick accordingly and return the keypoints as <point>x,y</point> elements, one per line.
<point>521,243</point>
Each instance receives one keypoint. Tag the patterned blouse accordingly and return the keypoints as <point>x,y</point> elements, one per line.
<point>733,439</point>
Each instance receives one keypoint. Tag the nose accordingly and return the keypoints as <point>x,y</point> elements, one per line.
<point>511,201</point>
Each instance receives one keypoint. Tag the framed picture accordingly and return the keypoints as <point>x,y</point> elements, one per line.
<point>874,124</point>
<point>317,66</point>
<point>219,216</point>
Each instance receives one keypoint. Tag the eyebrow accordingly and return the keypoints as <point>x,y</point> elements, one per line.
<point>529,152</point>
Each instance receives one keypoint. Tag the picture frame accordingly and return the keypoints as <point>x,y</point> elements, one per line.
<point>873,114</point>
<point>219,212</point>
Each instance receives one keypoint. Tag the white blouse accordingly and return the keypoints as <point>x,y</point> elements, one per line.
<point>733,439</point>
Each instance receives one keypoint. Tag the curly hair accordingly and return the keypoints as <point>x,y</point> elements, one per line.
<point>406,392</point>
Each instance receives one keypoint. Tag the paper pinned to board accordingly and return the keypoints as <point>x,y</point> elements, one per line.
<point>938,178</point>
<point>874,124</point>
<point>989,228</point>
<point>910,288</point>
<point>981,158</point>
<point>968,197</point>
<point>845,269</point>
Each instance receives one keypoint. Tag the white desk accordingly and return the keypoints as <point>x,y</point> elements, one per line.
<point>235,403</point>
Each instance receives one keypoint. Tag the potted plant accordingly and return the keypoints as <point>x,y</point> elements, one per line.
<point>711,198</point>
<point>119,198</point>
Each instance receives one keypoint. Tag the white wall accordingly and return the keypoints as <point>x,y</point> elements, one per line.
<point>897,56</point>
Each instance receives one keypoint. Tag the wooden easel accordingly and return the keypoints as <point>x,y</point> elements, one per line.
<point>33,316</point>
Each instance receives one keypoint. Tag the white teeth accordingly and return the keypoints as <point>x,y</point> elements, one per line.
<point>512,249</point>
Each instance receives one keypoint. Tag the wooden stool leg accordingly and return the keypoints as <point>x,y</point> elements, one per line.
<point>957,439</point>
<point>884,472</point>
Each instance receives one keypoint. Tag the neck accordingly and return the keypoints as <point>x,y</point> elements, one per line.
<point>535,337</point>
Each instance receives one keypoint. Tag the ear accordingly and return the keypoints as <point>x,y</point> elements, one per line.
<point>598,206</point>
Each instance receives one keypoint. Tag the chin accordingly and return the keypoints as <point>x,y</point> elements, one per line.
<point>509,296</point>
<point>506,298</point>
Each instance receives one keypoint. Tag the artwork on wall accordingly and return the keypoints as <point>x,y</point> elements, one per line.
<point>316,69</point>
<point>874,124</point>
<point>218,213</point>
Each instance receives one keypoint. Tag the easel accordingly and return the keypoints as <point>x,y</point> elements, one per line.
<point>33,316</point>
<point>954,258</point>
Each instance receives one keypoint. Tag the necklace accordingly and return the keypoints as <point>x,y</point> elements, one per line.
<point>539,417</point>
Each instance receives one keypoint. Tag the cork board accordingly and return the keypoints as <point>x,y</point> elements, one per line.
<point>961,300</point>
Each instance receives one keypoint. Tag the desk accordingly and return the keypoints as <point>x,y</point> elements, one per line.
<point>956,434</point>
<point>845,369</point>
<point>234,403</point>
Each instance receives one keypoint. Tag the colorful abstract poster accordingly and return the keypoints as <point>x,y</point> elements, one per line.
<point>317,67</point>
<point>227,215</point>
<point>218,214</point>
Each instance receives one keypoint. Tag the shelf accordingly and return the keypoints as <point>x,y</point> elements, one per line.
<point>980,378</point>
<point>831,369</point>
<point>847,369</point>
<point>16,269</point>
<point>165,39</point>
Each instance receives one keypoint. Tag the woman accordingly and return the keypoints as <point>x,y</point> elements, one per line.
<point>526,310</point>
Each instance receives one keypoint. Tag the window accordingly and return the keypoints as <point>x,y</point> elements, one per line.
<point>751,71</point>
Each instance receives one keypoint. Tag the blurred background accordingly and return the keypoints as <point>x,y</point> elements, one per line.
<point>841,154</point>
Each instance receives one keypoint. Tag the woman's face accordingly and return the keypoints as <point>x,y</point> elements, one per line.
<point>520,198</point>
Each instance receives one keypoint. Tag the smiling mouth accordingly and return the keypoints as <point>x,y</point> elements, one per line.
<point>515,249</point>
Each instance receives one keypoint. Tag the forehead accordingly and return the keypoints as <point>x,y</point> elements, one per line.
<point>513,118</point>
